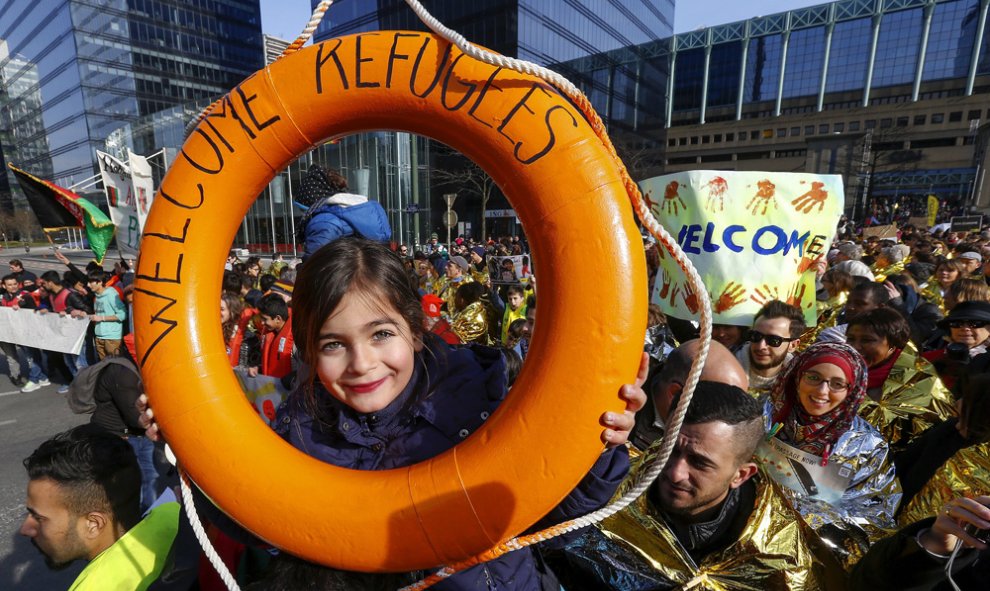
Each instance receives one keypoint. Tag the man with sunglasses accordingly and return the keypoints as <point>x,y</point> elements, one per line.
<point>775,335</point>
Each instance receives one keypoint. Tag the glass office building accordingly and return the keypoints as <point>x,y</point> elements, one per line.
<point>891,89</point>
<point>542,31</point>
<point>72,71</point>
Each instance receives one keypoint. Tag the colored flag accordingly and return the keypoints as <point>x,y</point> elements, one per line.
<point>58,207</point>
<point>932,210</point>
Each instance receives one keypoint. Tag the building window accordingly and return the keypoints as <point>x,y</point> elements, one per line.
<point>902,121</point>
<point>823,128</point>
<point>682,141</point>
<point>730,137</point>
<point>795,131</point>
<point>886,123</point>
<point>809,130</point>
<point>694,140</point>
<point>839,127</point>
<point>955,117</point>
<point>718,138</point>
<point>754,135</point>
<point>919,119</point>
<point>870,124</point>
<point>671,143</point>
<point>706,139</point>
<point>782,132</point>
<point>767,134</point>
<point>973,115</point>
<point>938,117</point>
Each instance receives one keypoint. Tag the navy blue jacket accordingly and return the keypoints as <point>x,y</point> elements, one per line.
<point>451,393</point>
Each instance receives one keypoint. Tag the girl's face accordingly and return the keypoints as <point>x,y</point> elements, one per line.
<point>821,388</point>
<point>366,352</point>
<point>224,313</point>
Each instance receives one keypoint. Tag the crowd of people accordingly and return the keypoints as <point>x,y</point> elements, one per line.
<point>852,454</point>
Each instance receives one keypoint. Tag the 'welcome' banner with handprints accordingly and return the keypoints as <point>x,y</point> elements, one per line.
<point>753,236</point>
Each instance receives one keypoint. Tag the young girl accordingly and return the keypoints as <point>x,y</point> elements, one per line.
<point>383,394</point>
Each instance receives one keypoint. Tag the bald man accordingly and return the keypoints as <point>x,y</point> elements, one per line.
<point>721,366</point>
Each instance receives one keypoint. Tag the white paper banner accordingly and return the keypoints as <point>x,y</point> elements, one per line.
<point>50,331</point>
<point>144,186</point>
<point>120,200</point>
<point>752,236</point>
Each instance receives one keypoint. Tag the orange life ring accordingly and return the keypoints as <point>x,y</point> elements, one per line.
<point>567,191</point>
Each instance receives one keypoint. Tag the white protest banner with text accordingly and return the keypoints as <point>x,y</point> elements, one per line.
<point>120,199</point>
<point>753,236</point>
<point>144,186</point>
<point>50,331</point>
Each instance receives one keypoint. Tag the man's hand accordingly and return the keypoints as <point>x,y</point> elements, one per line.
<point>619,426</point>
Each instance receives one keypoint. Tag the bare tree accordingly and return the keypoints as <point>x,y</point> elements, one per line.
<point>468,178</point>
<point>26,225</point>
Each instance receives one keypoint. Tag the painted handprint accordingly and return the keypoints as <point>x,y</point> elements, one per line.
<point>765,294</point>
<point>764,197</point>
<point>809,262</point>
<point>796,295</point>
<point>733,295</point>
<point>650,203</point>
<point>716,193</point>
<point>671,199</point>
<point>815,196</point>
<point>666,280</point>
<point>691,299</point>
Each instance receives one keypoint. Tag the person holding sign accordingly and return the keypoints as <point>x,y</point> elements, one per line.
<point>832,464</point>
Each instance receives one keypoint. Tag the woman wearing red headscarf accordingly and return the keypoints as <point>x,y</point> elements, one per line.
<point>833,465</point>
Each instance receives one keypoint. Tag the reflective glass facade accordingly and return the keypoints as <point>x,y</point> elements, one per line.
<point>554,33</point>
<point>805,59</point>
<point>72,71</point>
<point>950,48</point>
<point>542,31</point>
<point>841,52</point>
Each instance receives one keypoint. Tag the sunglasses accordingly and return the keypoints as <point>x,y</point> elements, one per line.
<point>967,323</point>
<point>755,336</point>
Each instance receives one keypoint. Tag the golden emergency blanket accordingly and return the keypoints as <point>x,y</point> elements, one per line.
<point>772,553</point>
<point>912,399</point>
<point>933,293</point>
<point>965,474</point>
<point>880,274</point>
<point>471,324</point>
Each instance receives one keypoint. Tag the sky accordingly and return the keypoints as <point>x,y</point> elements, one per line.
<point>287,18</point>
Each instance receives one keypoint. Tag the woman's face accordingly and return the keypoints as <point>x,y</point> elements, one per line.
<point>365,353</point>
<point>969,332</point>
<point>946,275</point>
<point>874,348</point>
<point>821,388</point>
<point>224,312</point>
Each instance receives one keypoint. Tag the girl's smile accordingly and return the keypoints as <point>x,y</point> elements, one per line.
<point>366,352</point>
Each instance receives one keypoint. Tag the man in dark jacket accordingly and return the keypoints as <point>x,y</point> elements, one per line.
<point>16,298</point>
<point>65,302</point>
